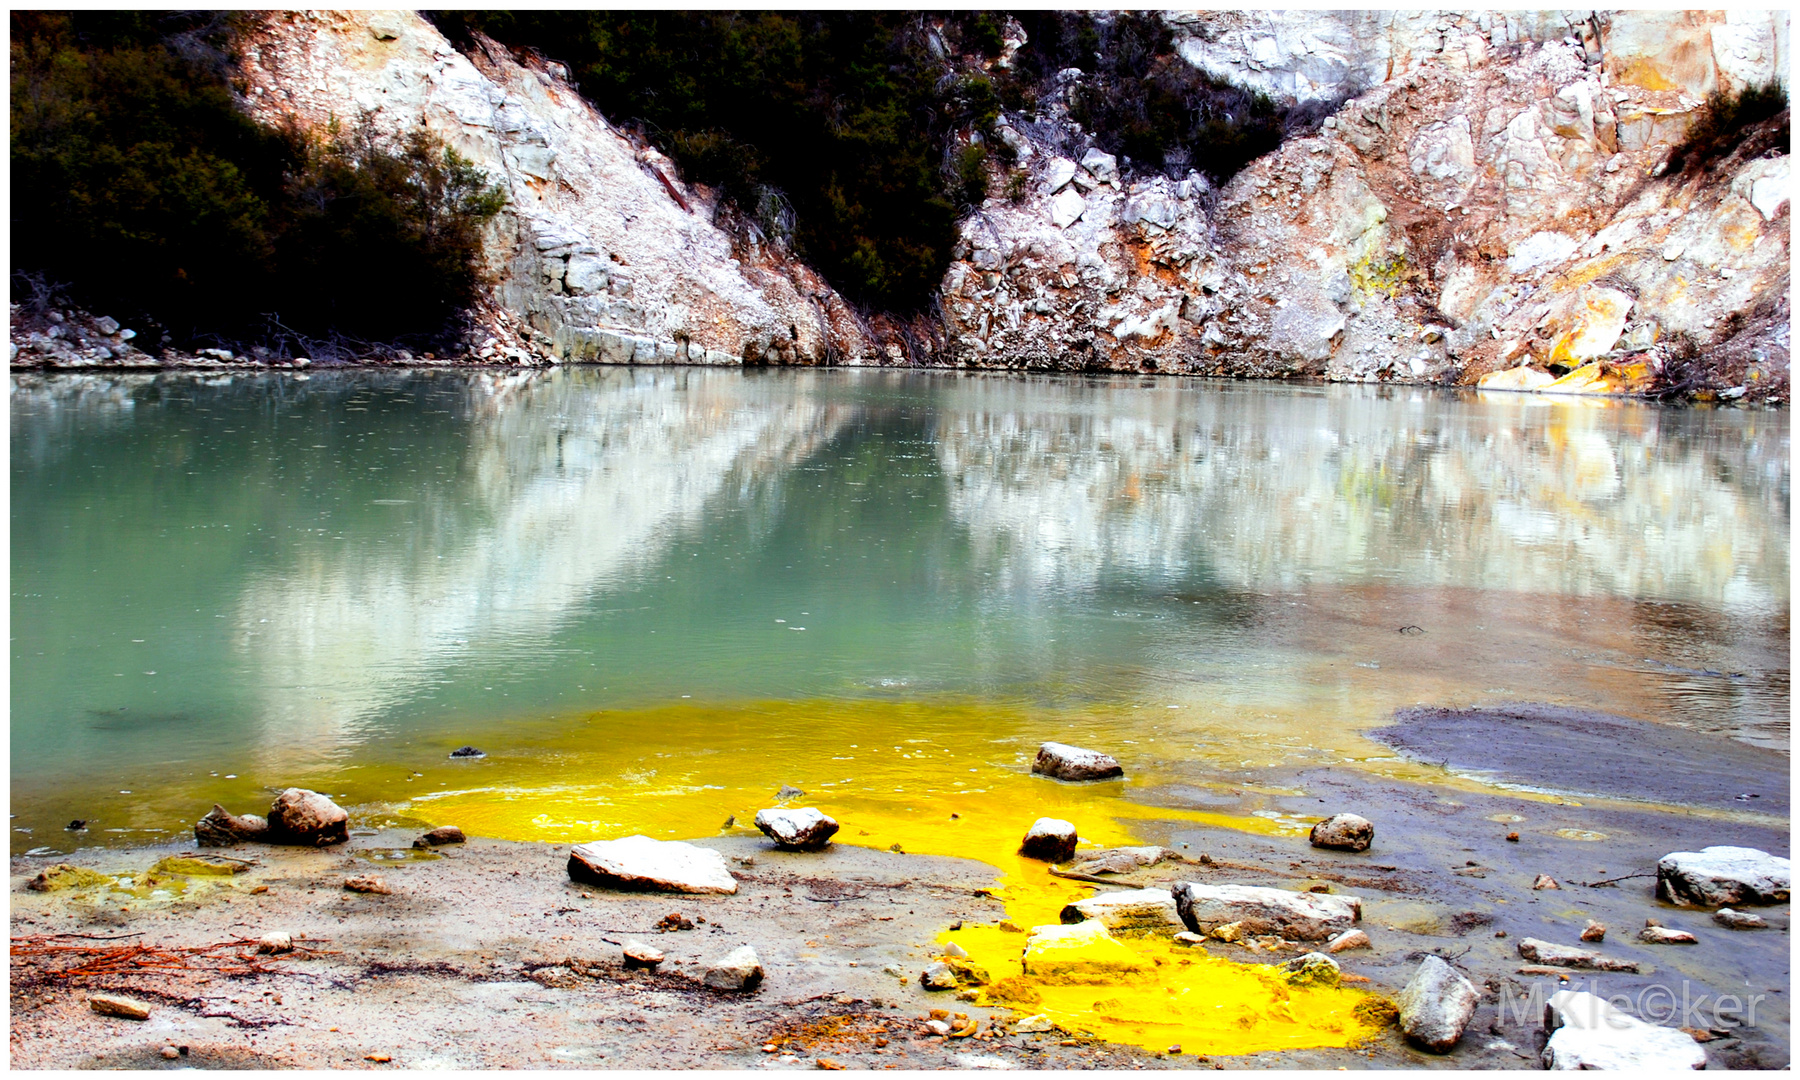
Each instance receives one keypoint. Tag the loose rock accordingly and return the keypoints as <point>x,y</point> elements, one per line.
<point>1349,939</point>
<point>1662,935</point>
<point>221,828</point>
<point>463,751</point>
<point>640,955</point>
<point>1296,916</point>
<point>367,883</point>
<point>1066,762</point>
<point>938,976</point>
<point>307,818</point>
<point>641,864</point>
<point>1545,952</point>
<point>122,1007</point>
<point>275,942</point>
<point>438,837</point>
<point>1722,876</point>
<point>170,1052</point>
<point>805,829</point>
<point>1595,932</point>
<point>1545,881</point>
<point>1343,832</point>
<point>1050,839</point>
<point>1141,911</point>
<point>1123,860</point>
<point>1312,969</point>
<point>1587,1033</point>
<point>1739,920</point>
<point>1029,1024</point>
<point>789,791</point>
<point>738,970</point>
<point>1436,1005</point>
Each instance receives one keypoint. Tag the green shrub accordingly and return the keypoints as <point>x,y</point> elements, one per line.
<point>138,180</point>
<point>1726,120</point>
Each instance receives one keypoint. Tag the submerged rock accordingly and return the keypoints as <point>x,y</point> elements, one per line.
<point>1079,953</point>
<point>805,829</point>
<point>1123,860</point>
<point>466,752</point>
<point>1587,1033</point>
<point>1343,832</point>
<point>438,837</point>
<point>1258,910</point>
<point>299,816</point>
<point>1436,1005</point>
<point>1554,955</point>
<point>1066,762</point>
<point>1049,839</point>
<point>739,969</point>
<point>221,828</point>
<point>641,864</point>
<point>1722,876</point>
<point>1143,911</point>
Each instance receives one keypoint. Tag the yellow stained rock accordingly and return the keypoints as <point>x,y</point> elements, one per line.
<point>1598,378</point>
<point>1078,952</point>
<point>1595,326</point>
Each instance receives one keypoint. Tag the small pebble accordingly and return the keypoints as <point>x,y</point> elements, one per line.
<point>170,1052</point>
<point>1596,931</point>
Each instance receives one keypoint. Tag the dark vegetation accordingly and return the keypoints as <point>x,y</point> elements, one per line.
<point>859,136</point>
<point>142,188</point>
<point>1729,121</point>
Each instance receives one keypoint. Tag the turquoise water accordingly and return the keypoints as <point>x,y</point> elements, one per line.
<point>223,584</point>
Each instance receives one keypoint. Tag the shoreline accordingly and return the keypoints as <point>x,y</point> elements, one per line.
<point>490,956</point>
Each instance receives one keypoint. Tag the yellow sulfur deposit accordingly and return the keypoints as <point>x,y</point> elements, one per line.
<point>1082,953</point>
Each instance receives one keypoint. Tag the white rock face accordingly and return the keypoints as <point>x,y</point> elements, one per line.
<point>1259,910</point>
<point>1143,911</point>
<point>1722,876</point>
<point>1436,1005</point>
<point>804,829</point>
<point>601,249</point>
<point>1587,1033</point>
<point>641,864</point>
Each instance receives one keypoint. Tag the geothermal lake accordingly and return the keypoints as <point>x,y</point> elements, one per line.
<point>652,596</point>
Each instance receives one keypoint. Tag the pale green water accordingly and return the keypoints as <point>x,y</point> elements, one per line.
<point>304,581</point>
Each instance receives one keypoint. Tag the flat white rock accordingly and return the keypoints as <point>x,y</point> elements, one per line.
<point>1259,910</point>
<point>1587,1033</point>
<point>641,864</point>
<point>1722,876</point>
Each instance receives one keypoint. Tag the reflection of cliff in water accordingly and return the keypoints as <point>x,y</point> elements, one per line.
<point>579,485</point>
<point>1060,484</point>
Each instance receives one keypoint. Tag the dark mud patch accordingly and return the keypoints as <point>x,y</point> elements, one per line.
<point>1578,752</point>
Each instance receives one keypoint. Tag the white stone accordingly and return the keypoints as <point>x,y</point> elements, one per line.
<point>1588,1033</point>
<point>1540,249</point>
<point>1539,951</point>
<point>739,969</point>
<point>1132,911</point>
<point>275,942</point>
<point>639,863</point>
<point>1066,209</point>
<point>1722,876</point>
<point>1525,377</point>
<point>804,828</point>
<point>1102,166</point>
<point>1058,174</point>
<point>1260,910</point>
<point>1436,1005</point>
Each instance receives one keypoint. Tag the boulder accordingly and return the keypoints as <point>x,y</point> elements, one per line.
<point>1525,377</point>
<point>640,955</point>
<point>1081,953</point>
<point>1553,955</point>
<point>1057,176</point>
<point>122,1007</point>
<point>438,837</point>
<point>1663,935</point>
<point>1436,1005</point>
<point>1101,166</point>
<point>1049,839</point>
<point>739,969</point>
<point>1064,762</point>
<point>1343,832</point>
<point>1259,910</point>
<point>1587,1033</point>
<point>1140,911</point>
<point>1312,969</point>
<point>805,829</point>
<point>1066,209</point>
<point>641,864</point>
<point>1739,920</point>
<point>299,816</point>
<point>221,828</point>
<point>1721,877</point>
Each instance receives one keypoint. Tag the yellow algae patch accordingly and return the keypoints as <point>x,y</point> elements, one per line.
<point>1081,953</point>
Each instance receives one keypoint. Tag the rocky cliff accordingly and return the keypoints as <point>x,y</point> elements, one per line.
<point>1487,197</point>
